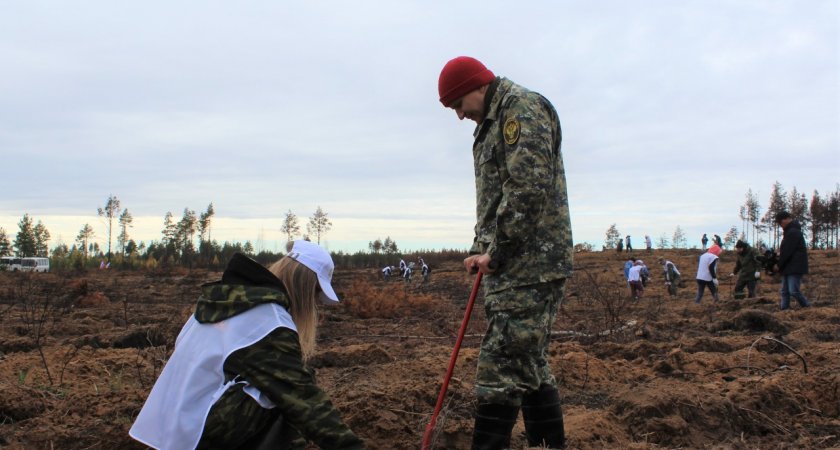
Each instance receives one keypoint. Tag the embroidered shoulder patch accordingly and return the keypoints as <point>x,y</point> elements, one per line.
<point>511,131</point>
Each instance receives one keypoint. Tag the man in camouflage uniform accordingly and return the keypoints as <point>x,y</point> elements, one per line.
<point>523,246</point>
<point>748,269</point>
<point>291,408</point>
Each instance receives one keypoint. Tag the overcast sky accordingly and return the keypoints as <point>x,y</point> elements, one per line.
<point>670,111</point>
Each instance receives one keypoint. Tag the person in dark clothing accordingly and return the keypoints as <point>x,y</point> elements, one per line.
<point>768,261</point>
<point>237,378</point>
<point>619,246</point>
<point>672,276</point>
<point>704,240</point>
<point>748,269</point>
<point>718,241</point>
<point>793,260</point>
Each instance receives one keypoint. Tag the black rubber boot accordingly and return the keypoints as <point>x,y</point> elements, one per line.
<point>544,418</point>
<point>493,424</point>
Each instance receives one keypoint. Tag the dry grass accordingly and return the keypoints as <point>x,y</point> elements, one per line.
<point>365,300</point>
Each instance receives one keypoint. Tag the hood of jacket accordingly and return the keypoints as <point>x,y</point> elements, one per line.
<point>793,225</point>
<point>245,284</point>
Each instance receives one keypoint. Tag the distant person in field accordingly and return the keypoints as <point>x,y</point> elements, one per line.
<point>619,246</point>
<point>768,259</point>
<point>522,245</point>
<point>793,260</point>
<point>627,266</point>
<point>627,244</point>
<point>237,377</point>
<point>672,276</point>
<point>634,279</point>
<point>403,266</point>
<point>748,269</point>
<point>705,241</point>
<point>718,241</point>
<point>707,273</point>
<point>386,273</point>
<point>648,243</point>
<point>644,273</point>
<point>425,271</point>
<point>407,275</point>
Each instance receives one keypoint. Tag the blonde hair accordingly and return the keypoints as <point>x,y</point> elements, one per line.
<point>302,286</point>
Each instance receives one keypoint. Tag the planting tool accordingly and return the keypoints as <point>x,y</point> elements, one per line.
<point>427,436</point>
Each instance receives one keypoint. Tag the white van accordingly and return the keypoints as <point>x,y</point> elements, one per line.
<point>10,263</point>
<point>33,264</point>
<point>6,263</point>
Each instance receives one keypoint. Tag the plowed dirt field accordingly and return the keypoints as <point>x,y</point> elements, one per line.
<point>81,351</point>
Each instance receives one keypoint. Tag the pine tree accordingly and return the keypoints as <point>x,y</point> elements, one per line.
<point>185,232</point>
<point>752,213</point>
<point>25,241</point>
<point>612,237</point>
<point>375,246</point>
<point>818,220</point>
<point>84,237</point>
<point>42,239</point>
<point>126,220</point>
<point>204,221</point>
<point>110,212</point>
<point>5,245</point>
<point>731,237</point>
<point>663,241</point>
<point>319,224</point>
<point>291,226</point>
<point>389,246</point>
<point>777,204</point>
<point>678,239</point>
<point>798,207</point>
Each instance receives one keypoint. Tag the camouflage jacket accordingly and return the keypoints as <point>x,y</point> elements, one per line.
<point>274,365</point>
<point>522,206</point>
<point>747,264</point>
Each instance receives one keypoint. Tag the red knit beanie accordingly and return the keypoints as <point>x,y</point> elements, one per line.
<point>460,76</point>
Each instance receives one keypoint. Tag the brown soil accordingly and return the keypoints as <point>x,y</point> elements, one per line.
<point>652,373</point>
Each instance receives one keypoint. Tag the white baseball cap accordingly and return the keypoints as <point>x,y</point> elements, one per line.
<point>319,261</point>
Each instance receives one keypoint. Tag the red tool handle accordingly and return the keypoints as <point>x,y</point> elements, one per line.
<point>427,436</point>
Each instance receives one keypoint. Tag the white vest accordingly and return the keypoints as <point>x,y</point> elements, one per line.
<point>635,274</point>
<point>193,380</point>
<point>706,260</point>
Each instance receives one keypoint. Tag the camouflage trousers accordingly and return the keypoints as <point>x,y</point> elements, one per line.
<point>237,421</point>
<point>513,357</point>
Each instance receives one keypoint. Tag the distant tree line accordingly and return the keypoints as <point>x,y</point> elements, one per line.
<point>820,218</point>
<point>185,242</point>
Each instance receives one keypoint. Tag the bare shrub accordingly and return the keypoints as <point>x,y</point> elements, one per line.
<point>602,296</point>
<point>38,312</point>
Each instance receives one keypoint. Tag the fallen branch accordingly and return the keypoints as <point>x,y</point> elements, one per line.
<point>727,369</point>
<point>768,338</point>
<point>629,324</point>
<point>773,422</point>
<point>804,363</point>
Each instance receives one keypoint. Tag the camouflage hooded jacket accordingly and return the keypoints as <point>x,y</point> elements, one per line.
<point>274,365</point>
<point>747,264</point>
<point>522,206</point>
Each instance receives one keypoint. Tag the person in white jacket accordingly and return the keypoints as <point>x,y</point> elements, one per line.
<point>634,278</point>
<point>707,273</point>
